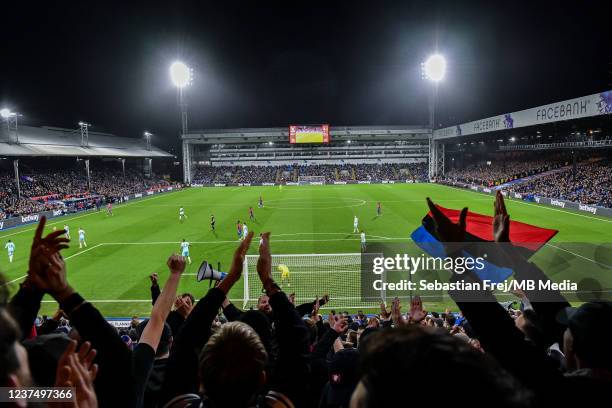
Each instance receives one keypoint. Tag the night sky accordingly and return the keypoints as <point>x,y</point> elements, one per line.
<point>258,63</point>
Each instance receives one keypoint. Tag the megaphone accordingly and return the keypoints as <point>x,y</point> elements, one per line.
<point>206,271</point>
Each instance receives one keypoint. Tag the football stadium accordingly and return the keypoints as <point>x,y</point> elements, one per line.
<point>297,261</point>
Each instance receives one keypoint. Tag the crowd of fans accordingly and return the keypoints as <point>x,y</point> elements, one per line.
<point>331,173</point>
<point>46,189</point>
<point>591,183</point>
<point>502,171</point>
<point>210,353</point>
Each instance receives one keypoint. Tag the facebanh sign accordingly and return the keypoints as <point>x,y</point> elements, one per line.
<point>586,106</point>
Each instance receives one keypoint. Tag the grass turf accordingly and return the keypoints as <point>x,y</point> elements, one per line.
<point>124,249</point>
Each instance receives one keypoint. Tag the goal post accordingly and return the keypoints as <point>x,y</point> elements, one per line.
<point>309,276</point>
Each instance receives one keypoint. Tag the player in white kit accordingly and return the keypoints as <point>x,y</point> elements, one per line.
<point>356,224</point>
<point>185,250</point>
<point>182,215</point>
<point>10,247</point>
<point>67,229</point>
<point>82,241</point>
<point>363,241</point>
<point>245,232</point>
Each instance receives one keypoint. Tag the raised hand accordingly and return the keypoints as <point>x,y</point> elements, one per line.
<point>396,313</point>
<point>237,263</point>
<point>315,308</point>
<point>338,324</point>
<point>52,278</point>
<point>77,370</point>
<point>501,220</point>
<point>446,229</point>
<point>264,266</point>
<point>384,313</point>
<point>41,250</point>
<point>416,313</point>
<point>176,264</point>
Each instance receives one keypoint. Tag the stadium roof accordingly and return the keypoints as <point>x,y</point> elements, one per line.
<point>51,141</point>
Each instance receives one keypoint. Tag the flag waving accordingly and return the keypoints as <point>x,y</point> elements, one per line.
<point>479,229</point>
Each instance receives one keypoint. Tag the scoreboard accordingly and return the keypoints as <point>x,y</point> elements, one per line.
<point>309,134</point>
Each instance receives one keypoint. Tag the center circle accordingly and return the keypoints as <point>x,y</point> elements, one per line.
<point>315,204</point>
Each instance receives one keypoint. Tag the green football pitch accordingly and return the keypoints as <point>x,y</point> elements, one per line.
<point>123,250</point>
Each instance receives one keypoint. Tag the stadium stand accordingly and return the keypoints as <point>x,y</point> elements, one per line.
<point>52,170</point>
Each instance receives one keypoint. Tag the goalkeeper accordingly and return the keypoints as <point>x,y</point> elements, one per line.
<point>284,270</point>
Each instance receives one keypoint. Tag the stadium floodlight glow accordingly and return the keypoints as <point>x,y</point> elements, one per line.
<point>180,74</point>
<point>434,68</point>
<point>5,113</point>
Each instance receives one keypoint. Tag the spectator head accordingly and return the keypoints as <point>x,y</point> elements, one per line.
<point>415,354</point>
<point>44,352</point>
<point>164,342</point>
<point>14,369</point>
<point>343,377</point>
<point>188,297</point>
<point>232,366</point>
<point>449,320</point>
<point>373,322</point>
<point>588,336</point>
<point>263,304</point>
<point>261,324</point>
<point>312,330</point>
<point>531,325</point>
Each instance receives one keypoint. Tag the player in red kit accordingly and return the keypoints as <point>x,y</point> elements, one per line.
<point>109,209</point>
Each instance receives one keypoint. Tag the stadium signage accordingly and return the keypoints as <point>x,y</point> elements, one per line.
<point>29,218</point>
<point>557,203</point>
<point>244,184</point>
<point>582,107</point>
<point>316,183</point>
<point>364,182</point>
<point>268,184</point>
<point>537,199</point>
<point>138,195</point>
<point>1,225</point>
<point>219,185</point>
<point>486,190</point>
<point>292,184</point>
<point>150,193</point>
<point>517,195</point>
<point>587,208</point>
<point>57,213</point>
<point>391,181</point>
<point>339,182</point>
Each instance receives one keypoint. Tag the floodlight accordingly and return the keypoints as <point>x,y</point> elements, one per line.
<point>435,68</point>
<point>180,74</point>
<point>5,113</point>
<point>148,134</point>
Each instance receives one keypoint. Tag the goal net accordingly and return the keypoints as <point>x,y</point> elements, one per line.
<point>312,275</point>
<point>311,179</point>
